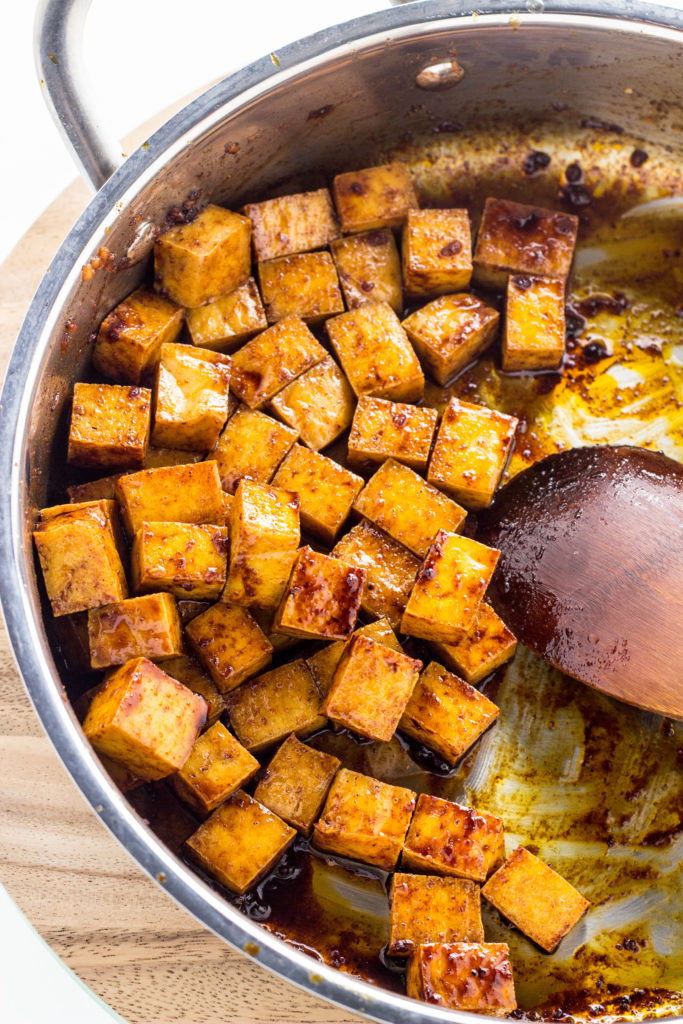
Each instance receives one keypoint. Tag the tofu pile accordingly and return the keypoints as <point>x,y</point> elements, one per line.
<point>225,639</point>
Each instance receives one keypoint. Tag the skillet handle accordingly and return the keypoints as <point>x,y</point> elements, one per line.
<point>58,38</point>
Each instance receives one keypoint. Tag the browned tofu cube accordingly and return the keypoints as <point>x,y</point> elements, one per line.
<point>146,627</point>
<point>318,404</point>
<point>171,494</point>
<point>364,819</point>
<point>471,449</point>
<point>322,598</point>
<point>541,903</point>
<point>446,714</point>
<point>109,426</point>
<point>451,332</point>
<point>94,490</point>
<point>391,430</point>
<point>447,839</point>
<point>130,337</point>
<point>426,908</point>
<point>267,709</point>
<point>326,490</point>
<point>369,269</point>
<point>376,197</point>
<point>264,537</point>
<point>370,689</point>
<point>229,644</point>
<point>389,567</point>
<point>145,719</point>
<point>487,646</point>
<point>191,397</point>
<point>230,320</point>
<point>436,252</point>
<point>278,641</point>
<point>198,262</point>
<point>240,842</point>
<point>517,239</point>
<point>305,285</point>
<point>188,672</point>
<point>449,588</point>
<point>186,559</point>
<point>476,977</point>
<point>252,445</point>
<point>289,224</point>
<point>375,353</point>
<point>217,766</point>
<point>295,783</point>
<point>323,664</point>
<point>535,325</point>
<point>155,458</point>
<point>267,363</point>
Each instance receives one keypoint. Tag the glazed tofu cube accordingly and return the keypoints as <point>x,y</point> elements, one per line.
<point>389,567</point>
<point>171,494</point>
<point>323,664</point>
<point>322,598</point>
<point>326,490</point>
<point>267,363</point>
<point>264,537</point>
<point>436,252</point>
<point>94,490</point>
<point>535,325</point>
<point>463,976</point>
<point>446,714</point>
<point>364,819</point>
<point>240,842</point>
<point>191,397</point>
<point>370,689</point>
<point>130,337</point>
<point>305,285</point>
<point>146,627</point>
<point>471,449</point>
<point>230,320</point>
<point>447,839</point>
<point>425,908</point>
<point>318,404</point>
<point>252,445</point>
<point>449,588</point>
<point>145,719</point>
<point>537,900</point>
<point>411,511</point>
<point>228,642</point>
<point>186,559</point>
<point>375,353</point>
<point>217,766</point>
<point>487,646</point>
<point>376,197</point>
<point>391,430</point>
<point>369,269</point>
<point>518,239</point>
<point>451,332</point>
<point>267,709</point>
<point>198,262</point>
<point>296,782</point>
<point>109,426</point>
<point>155,458</point>
<point>187,671</point>
<point>279,642</point>
<point>289,224</point>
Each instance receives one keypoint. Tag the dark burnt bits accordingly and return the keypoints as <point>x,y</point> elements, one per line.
<point>638,157</point>
<point>321,113</point>
<point>182,213</point>
<point>535,162</point>
<point>451,249</point>
<point>598,125</point>
<point>575,192</point>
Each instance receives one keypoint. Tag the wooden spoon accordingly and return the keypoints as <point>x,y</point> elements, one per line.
<point>591,571</point>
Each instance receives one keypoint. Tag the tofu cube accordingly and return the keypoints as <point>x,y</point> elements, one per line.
<point>264,537</point>
<point>289,224</point>
<point>188,610</point>
<point>295,783</point>
<point>537,900</point>
<point>322,599</point>
<point>109,426</point>
<point>318,404</point>
<point>185,559</point>
<point>535,324</point>
<point>391,430</point>
<point>217,766</point>
<point>267,709</point>
<point>463,976</point>
<point>171,494</point>
<point>517,239</point>
<point>375,197</point>
<point>145,719</point>
<point>449,588</point>
<point>369,269</point>
<point>471,449</point>
<point>155,458</point>
<point>267,363</point>
<point>436,252</point>
<point>94,490</point>
<point>447,839</point>
<point>451,332</point>
<point>229,644</point>
<point>446,714</point>
<point>252,445</point>
<point>198,262</point>
<point>146,627</point>
<point>188,672</point>
<point>375,353</point>
<point>323,664</point>
<point>304,285</point>
<point>191,397</point>
<point>364,819</point>
<point>487,646</point>
<point>230,320</point>
<point>240,843</point>
<point>426,908</point>
<point>130,337</point>
<point>326,490</point>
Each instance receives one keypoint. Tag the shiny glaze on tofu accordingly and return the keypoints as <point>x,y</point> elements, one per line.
<point>146,627</point>
<point>229,644</point>
<point>451,332</point>
<point>318,404</point>
<point>369,269</point>
<point>383,430</point>
<point>487,646</point>
<point>291,224</point>
<point>252,445</point>
<point>217,766</point>
<point>130,337</point>
<point>324,662</point>
<point>375,197</point>
<point>436,252</point>
<point>188,672</point>
<point>463,976</point>
<point>427,908</point>
<point>389,567</point>
<point>322,598</point>
<point>535,323</point>
<point>191,395</point>
<point>267,363</point>
<point>110,426</point>
<point>267,709</point>
<point>224,324</point>
<point>171,494</point>
<point>325,489</point>
<point>304,285</point>
<point>186,559</point>
<point>296,782</point>
<point>446,838</point>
